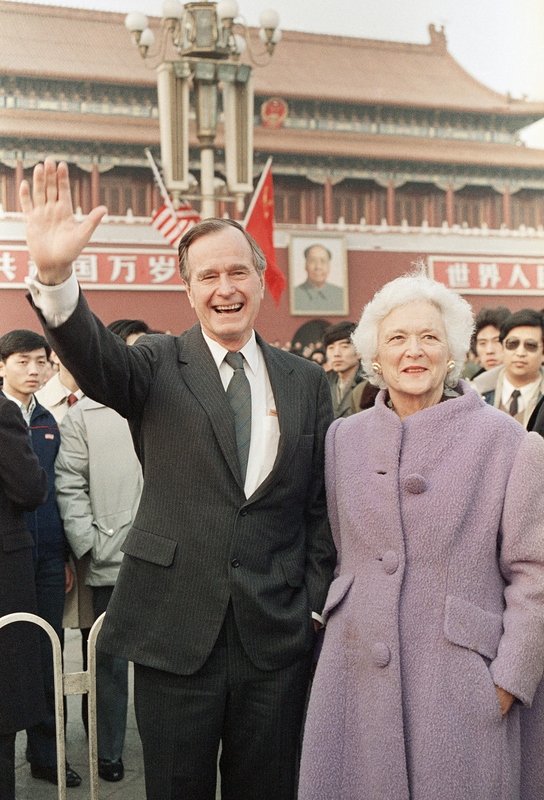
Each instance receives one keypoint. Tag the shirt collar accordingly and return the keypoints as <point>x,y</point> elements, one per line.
<point>67,392</point>
<point>525,391</point>
<point>27,413</point>
<point>250,351</point>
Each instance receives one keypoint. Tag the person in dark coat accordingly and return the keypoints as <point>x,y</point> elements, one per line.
<point>486,341</point>
<point>345,365</point>
<point>23,487</point>
<point>433,652</point>
<point>23,361</point>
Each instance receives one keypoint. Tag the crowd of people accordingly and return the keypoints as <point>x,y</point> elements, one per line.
<point>238,511</point>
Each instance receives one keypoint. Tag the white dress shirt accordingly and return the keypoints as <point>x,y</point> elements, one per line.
<point>526,395</point>
<point>265,430</point>
<point>26,412</point>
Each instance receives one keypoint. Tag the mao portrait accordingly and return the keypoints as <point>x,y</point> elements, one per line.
<point>318,276</point>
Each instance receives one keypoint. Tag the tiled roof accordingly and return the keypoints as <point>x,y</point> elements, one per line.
<point>392,73</point>
<point>51,125</point>
<point>398,148</point>
<point>94,45</point>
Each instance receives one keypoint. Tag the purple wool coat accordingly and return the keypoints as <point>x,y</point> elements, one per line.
<point>438,594</point>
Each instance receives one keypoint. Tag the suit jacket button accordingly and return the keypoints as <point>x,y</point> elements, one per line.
<point>235,563</point>
<point>243,512</point>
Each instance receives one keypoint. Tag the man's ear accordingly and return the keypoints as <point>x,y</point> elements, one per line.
<point>2,369</point>
<point>188,290</point>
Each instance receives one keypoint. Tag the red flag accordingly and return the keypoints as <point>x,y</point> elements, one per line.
<point>173,227</point>
<point>259,223</point>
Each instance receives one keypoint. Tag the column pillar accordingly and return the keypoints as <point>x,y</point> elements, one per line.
<point>390,203</point>
<point>19,176</point>
<point>507,208</point>
<point>430,211</point>
<point>450,210</point>
<point>373,211</point>
<point>95,186</point>
<point>329,208</point>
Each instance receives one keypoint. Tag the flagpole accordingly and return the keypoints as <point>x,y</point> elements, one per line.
<point>257,190</point>
<point>162,187</point>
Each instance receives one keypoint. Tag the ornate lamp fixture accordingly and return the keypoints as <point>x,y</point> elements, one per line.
<point>209,38</point>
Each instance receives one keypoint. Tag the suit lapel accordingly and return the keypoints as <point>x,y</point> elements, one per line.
<point>201,376</point>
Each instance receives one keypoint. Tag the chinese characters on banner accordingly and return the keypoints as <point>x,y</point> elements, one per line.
<point>100,268</point>
<point>473,275</point>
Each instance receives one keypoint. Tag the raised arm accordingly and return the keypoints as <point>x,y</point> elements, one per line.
<point>104,367</point>
<point>55,238</point>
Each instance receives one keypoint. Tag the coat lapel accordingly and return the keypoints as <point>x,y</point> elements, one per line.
<point>201,376</point>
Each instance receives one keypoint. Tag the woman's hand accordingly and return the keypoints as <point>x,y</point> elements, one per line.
<point>505,699</point>
<point>55,238</point>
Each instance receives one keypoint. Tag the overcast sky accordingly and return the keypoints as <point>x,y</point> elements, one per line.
<point>500,42</point>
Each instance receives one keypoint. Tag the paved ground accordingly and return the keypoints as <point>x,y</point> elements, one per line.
<point>77,750</point>
<point>130,788</point>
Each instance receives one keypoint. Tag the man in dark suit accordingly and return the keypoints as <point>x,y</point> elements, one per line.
<point>230,555</point>
<point>23,487</point>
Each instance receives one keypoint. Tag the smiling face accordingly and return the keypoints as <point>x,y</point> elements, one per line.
<point>24,373</point>
<point>488,347</point>
<point>522,366</point>
<point>224,288</point>
<point>318,265</point>
<point>413,353</point>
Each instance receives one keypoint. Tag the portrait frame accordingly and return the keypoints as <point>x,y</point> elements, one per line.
<point>337,280</point>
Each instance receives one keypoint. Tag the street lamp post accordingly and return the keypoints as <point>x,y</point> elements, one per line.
<point>209,40</point>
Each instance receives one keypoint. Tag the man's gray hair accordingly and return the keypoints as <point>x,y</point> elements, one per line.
<point>215,225</point>
<point>413,287</point>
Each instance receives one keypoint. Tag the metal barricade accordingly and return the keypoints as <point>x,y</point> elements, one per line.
<point>67,684</point>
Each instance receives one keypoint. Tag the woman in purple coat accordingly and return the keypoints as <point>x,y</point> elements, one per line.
<point>434,643</point>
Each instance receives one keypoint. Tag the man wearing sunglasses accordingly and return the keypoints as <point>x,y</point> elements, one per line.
<point>517,386</point>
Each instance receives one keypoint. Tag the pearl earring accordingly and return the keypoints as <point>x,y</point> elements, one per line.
<point>377,368</point>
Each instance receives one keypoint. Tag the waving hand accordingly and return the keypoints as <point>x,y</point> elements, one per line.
<point>54,237</point>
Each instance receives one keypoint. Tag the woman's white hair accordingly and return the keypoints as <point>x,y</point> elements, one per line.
<point>413,287</point>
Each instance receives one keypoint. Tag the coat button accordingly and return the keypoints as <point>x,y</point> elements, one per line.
<point>390,562</point>
<point>381,654</point>
<point>243,512</point>
<point>415,484</point>
<point>235,563</point>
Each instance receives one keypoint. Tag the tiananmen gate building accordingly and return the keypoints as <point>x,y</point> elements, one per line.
<point>384,153</point>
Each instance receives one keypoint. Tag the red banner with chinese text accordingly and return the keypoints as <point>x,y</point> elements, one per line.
<point>101,268</point>
<point>489,276</point>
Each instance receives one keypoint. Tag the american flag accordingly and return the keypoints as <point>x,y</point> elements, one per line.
<point>171,228</point>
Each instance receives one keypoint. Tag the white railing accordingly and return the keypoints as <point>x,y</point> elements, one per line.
<point>67,684</point>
